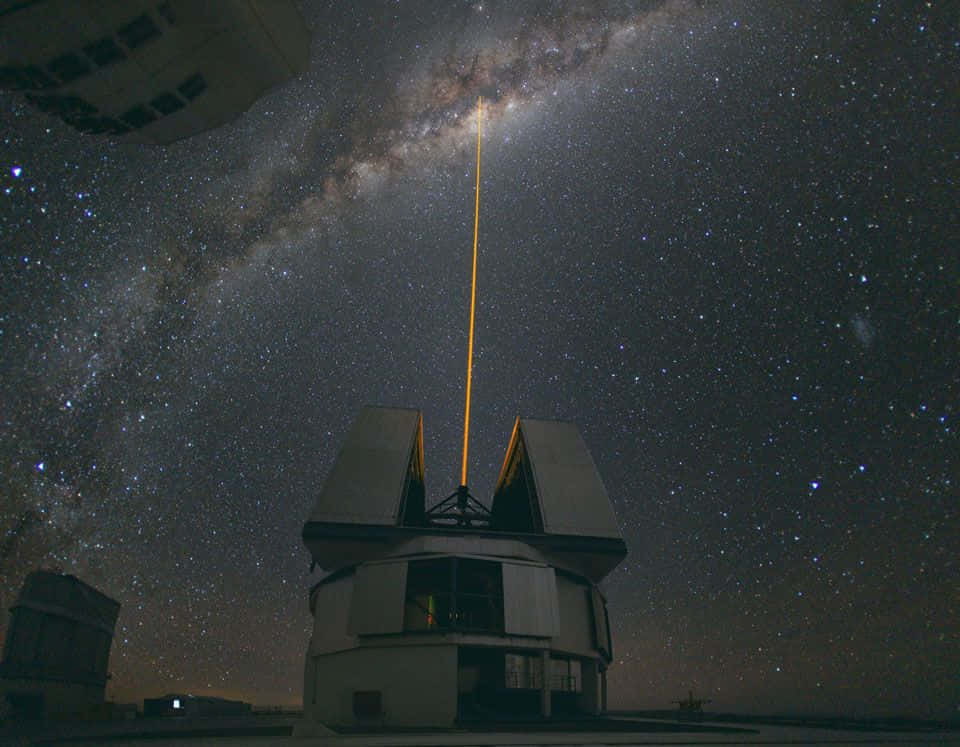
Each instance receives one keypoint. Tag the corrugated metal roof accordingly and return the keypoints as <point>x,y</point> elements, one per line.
<point>370,476</point>
<point>566,485</point>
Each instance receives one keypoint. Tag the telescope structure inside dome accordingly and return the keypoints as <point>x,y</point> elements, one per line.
<point>458,613</point>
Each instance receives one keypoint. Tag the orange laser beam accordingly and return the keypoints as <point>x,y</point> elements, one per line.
<point>473,300</point>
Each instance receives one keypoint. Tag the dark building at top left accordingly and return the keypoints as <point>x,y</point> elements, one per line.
<point>57,648</point>
<point>147,71</point>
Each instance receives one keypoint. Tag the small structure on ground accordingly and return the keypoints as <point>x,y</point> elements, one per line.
<point>180,704</point>
<point>430,617</point>
<point>57,648</point>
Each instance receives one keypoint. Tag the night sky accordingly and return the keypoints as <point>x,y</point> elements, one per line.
<point>721,237</point>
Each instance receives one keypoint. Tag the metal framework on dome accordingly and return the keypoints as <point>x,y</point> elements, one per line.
<point>460,508</point>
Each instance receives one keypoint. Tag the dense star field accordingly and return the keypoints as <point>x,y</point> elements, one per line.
<point>721,237</point>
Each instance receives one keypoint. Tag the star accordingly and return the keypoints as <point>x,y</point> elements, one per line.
<point>670,220</point>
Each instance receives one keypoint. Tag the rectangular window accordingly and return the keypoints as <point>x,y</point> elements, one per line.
<point>192,86</point>
<point>139,31</point>
<point>36,78</point>
<point>479,595</point>
<point>104,52</point>
<point>68,67</point>
<point>429,598</point>
<point>454,594</point>
<point>28,78</point>
<point>64,106</point>
<point>167,103</point>
<point>523,672</point>
<point>138,116</point>
<point>565,675</point>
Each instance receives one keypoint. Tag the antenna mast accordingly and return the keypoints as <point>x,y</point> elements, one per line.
<point>473,301</point>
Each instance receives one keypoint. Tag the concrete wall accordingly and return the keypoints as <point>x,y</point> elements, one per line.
<point>601,625</point>
<point>530,600</point>
<point>60,699</point>
<point>576,630</point>
<point>418,685</point>
<point>590,699</point>
<point>378,599</point>
<point>331,612</point>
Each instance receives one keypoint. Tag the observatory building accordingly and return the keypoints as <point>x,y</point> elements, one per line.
<point>57,647</point>
<point>458,613</point>
<point>147,70</point>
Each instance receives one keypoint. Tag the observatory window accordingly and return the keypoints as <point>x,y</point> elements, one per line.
<point>67,107</point>
<point>138,116</point>
<point>25,78</point>
<point>454,594</point>
<point>68,67</point>
<point>565,675</point>
<point>104,52</point>
<point>167,103</point>
<point>138,31</point>
<point>29,78</point>
<point>193,86</point>
<point>36,78</point>
<point>523,672</point>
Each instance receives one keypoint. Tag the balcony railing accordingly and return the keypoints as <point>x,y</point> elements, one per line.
<point>533,680</point>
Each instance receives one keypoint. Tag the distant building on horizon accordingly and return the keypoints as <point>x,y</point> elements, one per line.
<point>458,613</point>
<point>181,704</point>
<point>57,648</point>
<point>149,71</point>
